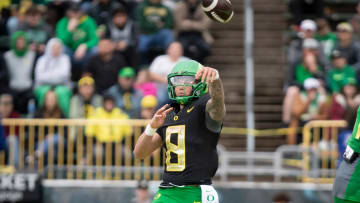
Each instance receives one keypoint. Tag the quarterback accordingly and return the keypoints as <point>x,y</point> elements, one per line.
<point>189,130</point>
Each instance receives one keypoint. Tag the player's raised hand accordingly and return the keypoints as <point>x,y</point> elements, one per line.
<point>158,119</point>
<point>207,74</point>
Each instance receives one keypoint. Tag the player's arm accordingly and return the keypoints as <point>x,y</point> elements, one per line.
<point>149,141</point>
<point>146,145</point>
<point>216,105</point>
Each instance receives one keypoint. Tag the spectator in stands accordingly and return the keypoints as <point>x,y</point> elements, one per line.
<point>341,72</point>
<point>295,51</point>
<point>7,109</point>
<point>55,10</point>
<point>127,98</point>
<point>355,22</point>
<point>308,67</point>
<point>156,22</point>
<point>123,32</point>
<point>53,69</point>
<point>162,66</point>
<point>11,138</point>
<point>349,48</point>
<point>20,61</point>
<point>105,65</point>
<point>101,10</point>
<point>78,33</point>
<point>4,75</point>
<point>84,103</point>
<point>144,84</point>
<point>325,36</point>
<point>192,28</point>
<point>49,110</point>
<point>109,133</point>
<point>148,106</point>
<point>301,9</point>
<point>37,30</point>
<point>18,18</point>
<point>308,105</point>
<point>345,103</point>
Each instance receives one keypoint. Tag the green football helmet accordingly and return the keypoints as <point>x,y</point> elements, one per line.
<point>183,74</point>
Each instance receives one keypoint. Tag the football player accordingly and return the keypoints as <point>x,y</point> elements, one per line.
<point>189,130</point>
<point>347,181</point>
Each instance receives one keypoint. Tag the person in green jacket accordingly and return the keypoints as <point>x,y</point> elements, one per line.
<point>78,33</point>
<point>341,74</point>
<point>156,22</point>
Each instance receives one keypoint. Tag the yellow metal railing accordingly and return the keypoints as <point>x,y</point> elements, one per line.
<point>323,136</point>
<point>72,154</point>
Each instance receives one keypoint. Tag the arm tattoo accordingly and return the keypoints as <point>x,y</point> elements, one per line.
<point>216,105</point>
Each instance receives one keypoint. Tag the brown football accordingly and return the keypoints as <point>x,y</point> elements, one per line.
<point>218,10</point>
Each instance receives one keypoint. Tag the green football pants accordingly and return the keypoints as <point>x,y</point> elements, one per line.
<point>187,194</point>
<point>337,200</point>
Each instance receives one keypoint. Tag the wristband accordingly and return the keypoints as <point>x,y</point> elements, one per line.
<point>217,76</point>
<point>149,131</point>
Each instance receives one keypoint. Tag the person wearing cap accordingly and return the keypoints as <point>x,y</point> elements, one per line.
<point>84,103</point>
<point>104,66</point>
<point>295,51</point>
<point>148,106</point>
<point>78,33</point>
<point>347,46</point>
<point>341,72</point>
<point>124,33</point>
<point>309,66</point>
<point>127,98</point>
<point>309,105</point>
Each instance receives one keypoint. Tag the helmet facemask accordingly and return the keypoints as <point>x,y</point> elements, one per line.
<point>185,79</point>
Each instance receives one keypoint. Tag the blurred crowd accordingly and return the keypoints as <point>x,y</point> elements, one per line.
<point>324,71</point>
<point>90,59</point>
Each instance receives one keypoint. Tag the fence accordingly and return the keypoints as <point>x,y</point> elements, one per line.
<point>62,148</point>
<point>323,136</point>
